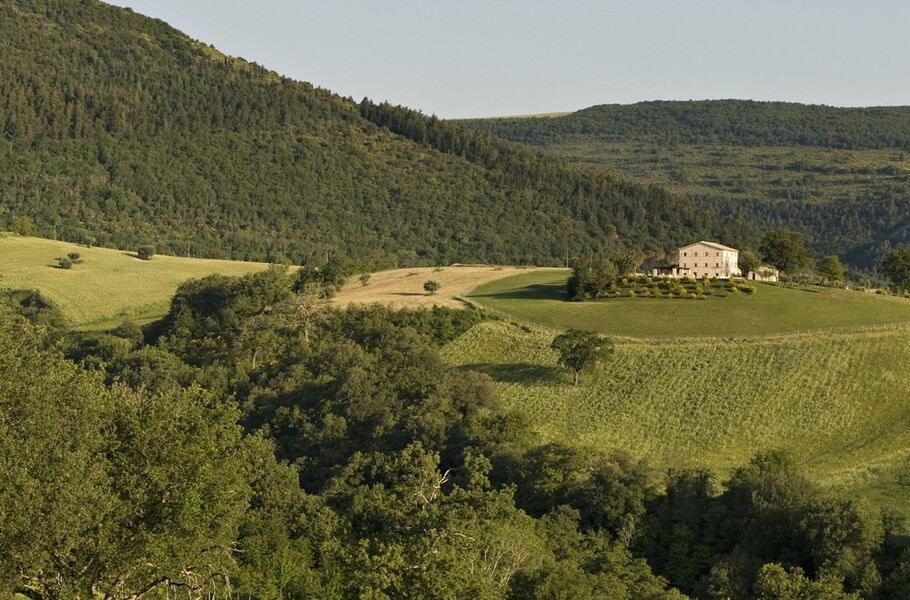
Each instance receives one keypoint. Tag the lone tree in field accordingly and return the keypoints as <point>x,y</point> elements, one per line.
<point>145,252</point>
<point>431,286</point>
<point>579,348</point>
<point>896,267</point>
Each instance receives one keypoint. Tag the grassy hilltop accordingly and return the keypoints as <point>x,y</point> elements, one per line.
<point>540,298</point>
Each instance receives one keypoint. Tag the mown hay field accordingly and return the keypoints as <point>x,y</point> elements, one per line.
<point>105,287</point>
<point>403,288</point>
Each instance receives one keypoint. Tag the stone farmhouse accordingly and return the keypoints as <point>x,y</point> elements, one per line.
<point>710,259</point>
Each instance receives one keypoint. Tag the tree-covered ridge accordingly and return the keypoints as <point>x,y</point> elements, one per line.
<point>839,175</point>
<point>79,69</point>
<point>737,122</point>
<point>120,130</point>
<point>615,212</point>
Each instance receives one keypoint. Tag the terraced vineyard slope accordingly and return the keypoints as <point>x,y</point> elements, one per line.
<point>837,401</point>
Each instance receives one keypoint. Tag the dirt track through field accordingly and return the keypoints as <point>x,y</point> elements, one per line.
<point>403,288</point>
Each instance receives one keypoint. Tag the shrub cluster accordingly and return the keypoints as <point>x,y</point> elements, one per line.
<point>639,286</point>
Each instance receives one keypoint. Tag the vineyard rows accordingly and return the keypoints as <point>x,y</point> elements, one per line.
<point>837,401</point>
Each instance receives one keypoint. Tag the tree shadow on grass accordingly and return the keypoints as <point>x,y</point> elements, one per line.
<point>537,291</point>
<point>516,372</point>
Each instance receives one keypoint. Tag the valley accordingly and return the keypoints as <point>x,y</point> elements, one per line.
<point>262,341</point>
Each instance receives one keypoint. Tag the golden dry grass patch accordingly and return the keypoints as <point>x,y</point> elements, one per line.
<point>403,288</point>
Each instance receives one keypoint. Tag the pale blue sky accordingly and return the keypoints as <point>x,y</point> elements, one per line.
<point>462,58</point>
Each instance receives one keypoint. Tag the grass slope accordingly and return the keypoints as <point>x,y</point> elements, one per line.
<point>106,286</point>
<point>539,297</point>
<point>837,401</point>
<point>711,382</point>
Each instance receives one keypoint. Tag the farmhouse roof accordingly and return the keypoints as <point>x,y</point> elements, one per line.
<point>714,245</point>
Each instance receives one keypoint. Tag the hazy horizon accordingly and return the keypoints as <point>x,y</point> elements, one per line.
<point>477,59</point>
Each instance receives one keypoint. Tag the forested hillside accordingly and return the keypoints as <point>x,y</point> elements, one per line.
<point>840,175</point>
<point>119,130</point>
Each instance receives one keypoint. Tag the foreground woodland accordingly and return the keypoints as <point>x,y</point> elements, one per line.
<point>257,444</point>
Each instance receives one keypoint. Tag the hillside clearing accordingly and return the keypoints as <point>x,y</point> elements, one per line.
<point>540,298</point>
<point>403,288</point>
<point>105,287</point>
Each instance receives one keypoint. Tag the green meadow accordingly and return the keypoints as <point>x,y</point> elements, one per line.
<point>708,383</point>
<point>773,309</point>
<point>105,286</point>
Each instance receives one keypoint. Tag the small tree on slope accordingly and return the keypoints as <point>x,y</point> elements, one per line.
<point>579,348</point>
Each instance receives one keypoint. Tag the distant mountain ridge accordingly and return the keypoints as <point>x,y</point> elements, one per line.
<point>739,122</point>
<point>119,129</point>
<point>840,175</point>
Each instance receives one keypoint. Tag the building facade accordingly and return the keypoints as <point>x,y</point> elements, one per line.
<point>705,259</point>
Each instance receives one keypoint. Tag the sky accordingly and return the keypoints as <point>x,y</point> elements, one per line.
<point>481,58</point>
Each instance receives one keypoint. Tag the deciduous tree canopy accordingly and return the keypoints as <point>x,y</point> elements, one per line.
<point>352,461</point>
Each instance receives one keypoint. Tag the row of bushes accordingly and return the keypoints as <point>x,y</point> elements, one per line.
<point>665,287</point>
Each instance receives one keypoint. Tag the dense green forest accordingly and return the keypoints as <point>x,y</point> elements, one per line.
<point>722,122</point>
<point>119,130</point>
<point>257,444</point>
<point>839,175</point>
